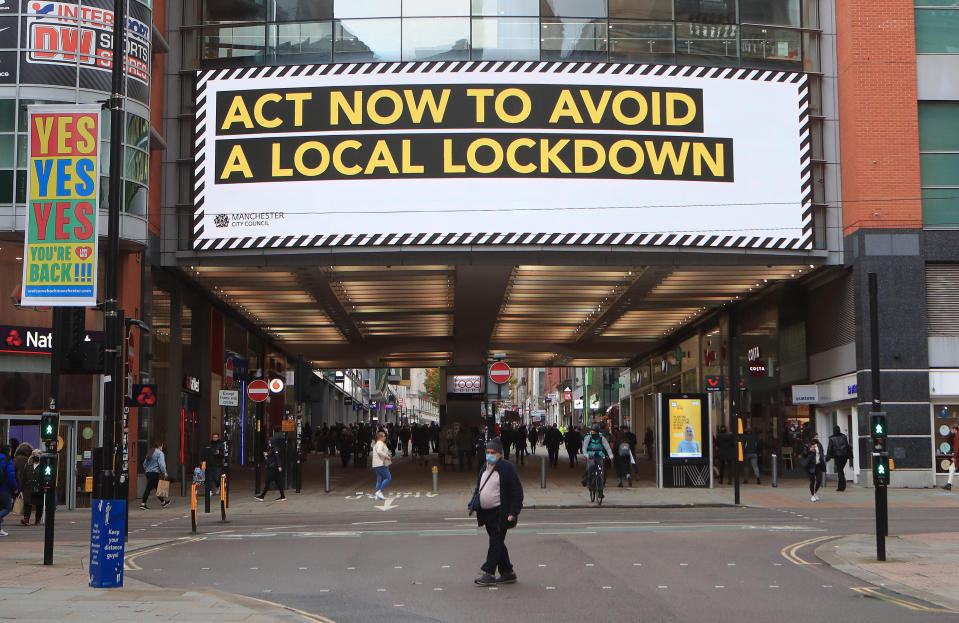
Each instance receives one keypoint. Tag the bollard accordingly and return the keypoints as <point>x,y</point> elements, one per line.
<point>436,479</point>
<point>327,485</point>
<point>193,506</point>
<point>775,466</point>
<point>222,497</point>
<point>542,472</point>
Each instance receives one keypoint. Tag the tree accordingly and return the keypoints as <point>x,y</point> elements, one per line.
<point>432,384</point>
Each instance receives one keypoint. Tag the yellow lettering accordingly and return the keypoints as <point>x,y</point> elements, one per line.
<point>448,166</point>
<point>407,165</point>
<point>618,107</point>
<point>236,162</point>
<point>275,169</point>
<point>671,100</point>
<point>595,110</point>
<point>299,158</point>
<point>237,113</point>
<point>475,164</point>
<point>437,111</point>
<point>701,154</point>
<point>500,105</point>
<point>549,154</point>
<point>614,157</point>
<point>88,142</point>
<point>511,155</point>
<point>381,157</point>
<point>44,130</point>
<point>338,102</point>
<point>298,99</point>
<point>658,161</point>
<point>258,110</point>
<point>565,107</point>
<point>375,116</point>
<point>63,133</point>
<point>657,99</point>
<point>579,163</point>
<point>480,95</point>
<point>338,157</point>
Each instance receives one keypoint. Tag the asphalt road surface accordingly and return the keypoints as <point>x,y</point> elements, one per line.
<point>690,565</point>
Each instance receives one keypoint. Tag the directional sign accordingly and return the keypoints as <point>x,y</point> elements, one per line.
<point>499,373</point>
<point>258,390</point>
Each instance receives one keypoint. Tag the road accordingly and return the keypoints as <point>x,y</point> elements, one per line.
<point>691,564</point>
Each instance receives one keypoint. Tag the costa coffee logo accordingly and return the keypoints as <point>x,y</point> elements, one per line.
<point>758,368</point>
<point>753,353</point>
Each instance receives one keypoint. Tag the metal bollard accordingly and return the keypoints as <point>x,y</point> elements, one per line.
<point>775,466</point>
<point>436,479</point>
<point>327,484</point>
<point>542,472</point>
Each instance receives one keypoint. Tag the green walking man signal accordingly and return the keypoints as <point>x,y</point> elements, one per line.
<point>880,468</point>
<point>48,469</point>
<point>49,426</point>
<point>877,430</point>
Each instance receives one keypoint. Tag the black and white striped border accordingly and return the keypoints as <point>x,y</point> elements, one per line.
<point>496,238</point>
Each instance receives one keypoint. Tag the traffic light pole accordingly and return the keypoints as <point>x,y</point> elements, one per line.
<point>882,506</point>
<point>50,491</point>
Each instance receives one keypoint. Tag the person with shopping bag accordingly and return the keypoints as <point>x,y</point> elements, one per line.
<point>154,465</point>
<point>31,490</point>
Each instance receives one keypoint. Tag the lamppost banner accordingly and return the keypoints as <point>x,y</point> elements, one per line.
<point>60,247</point>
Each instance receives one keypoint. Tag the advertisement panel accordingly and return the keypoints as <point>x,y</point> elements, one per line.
<point>60,248</point>
<point>685,428</point>
<point>538,152</point>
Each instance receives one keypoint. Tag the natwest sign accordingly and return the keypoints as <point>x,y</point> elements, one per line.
<point>33,340</point>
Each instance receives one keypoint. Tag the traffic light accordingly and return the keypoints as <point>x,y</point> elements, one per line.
<point>49,426</point>
<point>48,469</point>
<point>72,353</point>
<point>880,468</point>
<point>877,430</point>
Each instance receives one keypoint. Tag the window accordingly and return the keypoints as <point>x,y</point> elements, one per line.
<point>244,44</point>
<point>311,42</point>
<point>771,47</point>
<point>776,12</point>
<point>573,8</point>
<point>526,8</point>
<point>573,40</point>
<point>712,44</point>
<point>366,8</point>
<point>645,9</point>
<point>937,30</point>
<point>505,39</point>
<point>362,40</point>
<point>435,8</point>
<point>436,39</point>
<point>939,163</point>
<point>638,42</point>
<point>300,10</point>
<point>234,11</point>
<point>706,11</point>
<point>8,109</point>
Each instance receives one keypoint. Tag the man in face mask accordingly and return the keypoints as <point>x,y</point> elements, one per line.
<point>497,500</point>
<point>595,445</point>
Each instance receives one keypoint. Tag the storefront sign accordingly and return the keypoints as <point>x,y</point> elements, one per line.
<point>805,394</point>
<point>60,248</point>
<point>578,403</point>
<point>33,340</point>
<point>758,368</point>
<point>465,384</point>
<point>715,383</point>
<point>143,395</point>
<point>509,139</point>
<point>191,384</point>
<point>752,354</point>
<point>228,398</point>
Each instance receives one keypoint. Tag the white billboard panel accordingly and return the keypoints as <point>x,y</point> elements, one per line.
<point>515,153</point>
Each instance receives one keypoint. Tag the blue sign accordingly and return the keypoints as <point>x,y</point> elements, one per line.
<point>107,527</point>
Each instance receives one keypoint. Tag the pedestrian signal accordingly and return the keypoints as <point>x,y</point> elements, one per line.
<point>880,468</point>
<point>877,429</point>
<point>49,426</point>
<point>48,469</point>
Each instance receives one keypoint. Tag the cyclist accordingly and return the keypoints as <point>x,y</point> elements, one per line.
<point>595,447</point>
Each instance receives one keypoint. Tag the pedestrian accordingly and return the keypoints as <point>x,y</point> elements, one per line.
<point>382,458</point>
<point>154,466</point>
<point>216,464</point>
<point>751,453</point>
<point>623,458</point>
<point>464,448</point>
<point>533,438</point>
<point>726,443</point>
<point>552,440</point>
<point>405,439</point>
<point>839,451</point>
<point>519,442</point>
<point>8,484</point>
<point>345,441</point>
<point>815,464</point>
<point>31,488</point>
<point>573,440</point>
<point>648,440</point>
<point>954,444</point>
<point>20,458</point>
<point>497,500</point>
<point>506,437</point>
<point>274,471</point>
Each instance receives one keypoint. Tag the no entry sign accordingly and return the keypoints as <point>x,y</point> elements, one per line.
<point>258,390</point>
<point>499,372</point>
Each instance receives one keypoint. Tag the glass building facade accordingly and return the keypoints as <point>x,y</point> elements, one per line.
<point>779,34</point>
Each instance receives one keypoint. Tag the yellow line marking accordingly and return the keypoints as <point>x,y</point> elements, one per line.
<point>130,563</point>
<point>309,616</point>
<point>789,552</point>
<point>873,592</point>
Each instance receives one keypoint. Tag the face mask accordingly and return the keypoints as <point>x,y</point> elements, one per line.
<point>595,434</point>
<point>491,458</point>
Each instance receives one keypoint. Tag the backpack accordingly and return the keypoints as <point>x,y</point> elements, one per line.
<point>624,449</point>
<point>842,447</point>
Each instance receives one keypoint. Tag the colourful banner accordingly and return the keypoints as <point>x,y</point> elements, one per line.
<point>60,249</point>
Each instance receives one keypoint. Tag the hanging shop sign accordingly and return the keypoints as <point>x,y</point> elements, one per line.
<point>191,384</point>
<point>758,368</point>
<point>673,155</point>
<point>60,246</point>
<point>465,384</point>
<point>805,394</point>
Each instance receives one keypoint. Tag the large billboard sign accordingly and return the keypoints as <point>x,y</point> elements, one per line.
<point>60,249</point>
<point>542,153</point>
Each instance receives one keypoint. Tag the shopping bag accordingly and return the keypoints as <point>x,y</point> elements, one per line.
<point>163,489</point>
<point>17,506</point>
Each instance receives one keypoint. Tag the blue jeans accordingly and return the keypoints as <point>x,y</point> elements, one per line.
<point>382,477</point>
<point>6,504</point>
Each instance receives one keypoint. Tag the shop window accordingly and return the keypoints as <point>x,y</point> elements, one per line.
<point>303,43</point>
<point>137,165</point>
<point>234,11</point>
<point>648,9</point>
<point>573,40</point>
<point>436,39</point>
<point>946,416</point>
<point>709,44</point>
<point>505,39</point>
<point>528,8</point>
<point>774,12</point>
<point>366,8</point>
<point>242,44</point>
<point>366,40</point>
<point>939,163</point>
<point>573,8</point>
<point>8,109</point>
<point>135,199</point>
<point>706,11</point>
<point>22,151</point>
<point>435,8</point>
<point>6,186</point>
<point>6,150</point>
<point>937,30</point>
<point>21,195</point>
<point>138,131</point>
<point>300,10</point>
<point>640,41</point>
<point>771,47</point>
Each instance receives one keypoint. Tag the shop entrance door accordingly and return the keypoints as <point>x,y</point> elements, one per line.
<point>189,452</point>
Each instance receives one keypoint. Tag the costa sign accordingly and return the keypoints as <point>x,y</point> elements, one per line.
<point>598,140</point>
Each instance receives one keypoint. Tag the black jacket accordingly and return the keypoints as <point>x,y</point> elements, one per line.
<point>809,458</point>
<point>553,437</point>
<point>510,492</point>
<point>727,445</point>
<point>838,447</point>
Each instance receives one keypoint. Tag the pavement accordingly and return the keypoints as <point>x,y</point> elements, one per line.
<point>920,566</point>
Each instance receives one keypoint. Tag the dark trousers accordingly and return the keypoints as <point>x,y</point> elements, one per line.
<point>815,480</point>
<point>572,452</point>
<point>726,464</point>
<point>841,472</point>
<point>553,452</point>
<point>38,508</point>
<point>153,479</point>
<point>465,460</point>
<point>276,477</point>
<point>497,556</point>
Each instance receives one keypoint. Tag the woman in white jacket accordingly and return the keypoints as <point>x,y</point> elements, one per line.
<point>381,464</point>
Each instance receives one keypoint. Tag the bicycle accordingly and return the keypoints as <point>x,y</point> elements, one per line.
<point>596,480</point>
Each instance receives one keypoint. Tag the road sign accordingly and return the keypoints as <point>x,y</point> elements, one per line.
<point>499,373</point>
<point>229,398</point>
<point>258,390</point>
<point>228,374</point>
<point>107,527</point>
<point>276,385</point>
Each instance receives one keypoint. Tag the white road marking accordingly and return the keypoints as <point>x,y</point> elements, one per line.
<point>589,564</point>
<point>381,590</point>
<point>541,565</point>
<point>637,564</point>
<point>220,532</point>
<point>551,588</point>
<point>730,564</point>
<point>777,564</point>
<point>351,568</point>
<point>324,590</point>
<point>303,568</point>
<point>398,567</point>
<point>719,586</point>
<point>827,585</point>
<point>492,588</point>
<point>444,566</point>
<point>607,588</point>
<point>276,528</point>
<point>158,569</point>
<point>662,587</point>
<point>568,532</point>
<point>254,568</point>
<point>773,586</point>
<point>204,568</point>
<point>369,523</point>
<point>684,564</point>
<point>438,588</point>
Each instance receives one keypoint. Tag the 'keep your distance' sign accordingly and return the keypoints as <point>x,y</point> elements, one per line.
<point>60,250</point>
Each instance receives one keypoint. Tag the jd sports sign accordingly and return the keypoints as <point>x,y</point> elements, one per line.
<point>670,155</point>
